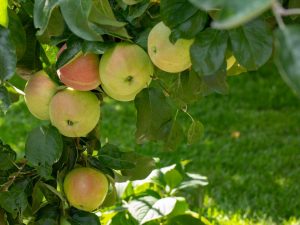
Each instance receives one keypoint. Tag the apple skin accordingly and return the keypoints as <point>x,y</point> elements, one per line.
<point>172,58</point>
<point>86,188</point>
<point>74,113</point>
<point>125,70</point>
<point>38,91</point>
<point>81,73</point>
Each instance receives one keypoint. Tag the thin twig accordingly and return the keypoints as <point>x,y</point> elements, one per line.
<point>277,8</point>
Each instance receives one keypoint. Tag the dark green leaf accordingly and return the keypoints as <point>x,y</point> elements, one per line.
<point>48,215</point>
<point>15,201</point>
<point>143,166</point>
<point>110,156</point>
<point>175,134</point>
<point>191,27</point>
<point>207,4</point>
<point>75,13</point>
<point>237,12</point>
<point>7,156</point>
<point>83,218</point>
<point>42,13</point>
<point>96,163</point>
<point>137,10</point>
<point>169,10</point>
<point>208,51</point>
<point>19,36</point>
<point>153,112</point>
<point>96,47</point>
<point>186,89</point>
<point>184,220</point>
<point>123,218</point>
<point>252,44</point>
<point>5,100</point>
<point>74,46</point>
<point>43,148</point>
<point>195,132</point>
<point>287,55</point>
<point>8,58</point>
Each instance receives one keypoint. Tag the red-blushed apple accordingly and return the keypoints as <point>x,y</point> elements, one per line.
<point>81,73</point>
<point>74,113</point>
<point>85,188</point>
<point>38,91</point>
<point>124,71</point>
<point>172,58</point>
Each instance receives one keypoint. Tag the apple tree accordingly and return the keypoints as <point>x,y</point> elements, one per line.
<point>67,58</point>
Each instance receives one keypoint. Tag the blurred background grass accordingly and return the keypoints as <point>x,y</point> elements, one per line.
<point>250,151</point>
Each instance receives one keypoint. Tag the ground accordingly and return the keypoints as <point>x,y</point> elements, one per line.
<point>250,151</point>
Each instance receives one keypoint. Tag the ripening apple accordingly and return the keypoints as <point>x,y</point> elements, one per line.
<point>172,58</point>
<point>85,188</point>
<point>124,71</point>
<point>81,73</point>
<point>38,91</point>
<point>74,113</point>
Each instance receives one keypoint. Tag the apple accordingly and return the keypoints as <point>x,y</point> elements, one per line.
<point>38,91</point>
<point>74,113</point>
<point>172,58</point>
<point>124,71</point>
<point>85,188</point>
<point>81,73</point>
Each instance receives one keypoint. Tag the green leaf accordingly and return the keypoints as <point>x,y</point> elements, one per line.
<point>172,176</point>
<point>83,218</point>
<point>208,51</point>
<point>136,11</point>
<point>153,112</point>
<point>5,100</point>
<point>123,218</point>
<point>207,4</point>
<point>75,13</point>
<point>42,13</point>
<point>48,215</point>
<point>236,12</point>
<point>169,11</point>
<point>184,220</point>
<point>15,201</point>
<point>186,89</point>
<point>191,27</point>
<point>287,55</point>
<point>7,156</point>
<point>102,15</point>
<point>96,47</point>
<point>195,132</point>
<point>143,166</point>
<point>19,35</point>
<point>55,27</point>
<point>8,58</point>
<point>43,148</point>
<point>175,134</point>
<point>252,44</point>
<point>148,208</point>
<point>74,46</point>
<point>110,156</point>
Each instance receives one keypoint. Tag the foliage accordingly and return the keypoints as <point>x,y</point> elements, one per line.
<point>219,28</point>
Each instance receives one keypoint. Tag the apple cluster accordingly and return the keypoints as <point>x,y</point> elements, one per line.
<point>123,71</point>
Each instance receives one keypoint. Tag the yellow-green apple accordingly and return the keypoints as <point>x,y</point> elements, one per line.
<point>38,91</point>
<point>81,73</point>
<point>85,188</point>
<point>74,113</point>
<point>125,70</point>
<point>172,58</point>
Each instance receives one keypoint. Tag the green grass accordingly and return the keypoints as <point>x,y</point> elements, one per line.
<point>254,176</point>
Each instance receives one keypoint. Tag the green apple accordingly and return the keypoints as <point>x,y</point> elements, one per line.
<point>172,58</point>
<point>74,113</point>
<point>85,188</point>
<point>124,71</point>
<point>81,73</point>
<point>38,91</point>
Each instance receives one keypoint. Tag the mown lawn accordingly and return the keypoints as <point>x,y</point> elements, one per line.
<point>250,151</point>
